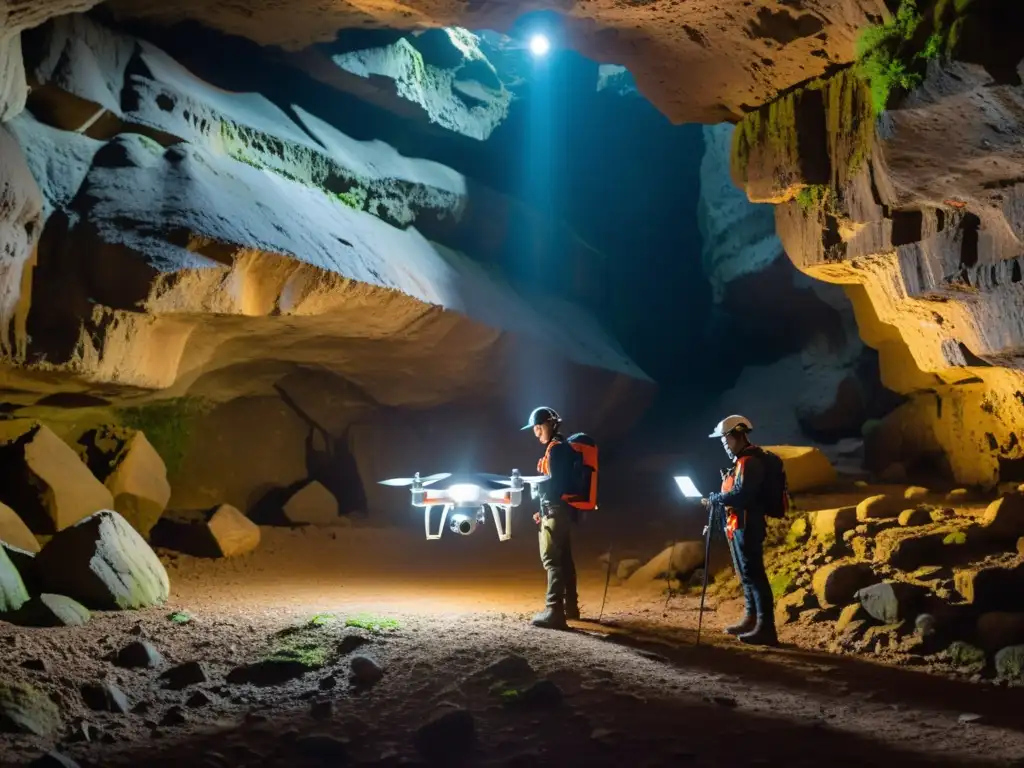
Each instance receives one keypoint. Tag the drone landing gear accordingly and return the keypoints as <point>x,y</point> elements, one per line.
<point>503,527</point>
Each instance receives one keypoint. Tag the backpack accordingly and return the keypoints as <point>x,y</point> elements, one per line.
<point>776,487</point>
<point>585,471</point>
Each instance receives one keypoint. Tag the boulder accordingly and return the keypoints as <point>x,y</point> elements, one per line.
<point>851,614</point>
<point>890,602</point>
<point>104,563</point>
<point>1009,663</point>
<point>219,532</point>
<point>133,472</point>
<point>999,629</point>
<point>25,709</point>
<point>991,586</point>
<point>43,478</point>
<point>829,525</point>
<point>627,568</point>
<point>50,610</point>
<point>806,468</point>
<point>965,656</point>
<point>25,562</point>
<point>911,548</point>
<point>1005,516</point>
<point>915,493</point>
<point>915,517</point>
<point>13,531</point>
<point>682,557</point>
<point>312,505</point>
<point>788,607</point>
<point>13,594</point>
<point>838,582</point>
<point>879,506</point>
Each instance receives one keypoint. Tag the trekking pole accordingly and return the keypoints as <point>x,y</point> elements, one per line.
<point>707,561</point>
<point>607,578</point>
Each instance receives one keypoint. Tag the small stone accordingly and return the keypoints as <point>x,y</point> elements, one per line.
<point>915,493</point>
<point>510,668</point>
<point>184,675</point>
<point>958,495</point>
<point>364,671</point>
<point>838,582</point>
<point>105,697</point>
<point>174,716</point>
<point>138,654</point>
<point>890,602</point>
<point>969,717</point>
<point>37,665</point>
<point>199,699</point>
<point>916,516</point>
<point>328,683</point>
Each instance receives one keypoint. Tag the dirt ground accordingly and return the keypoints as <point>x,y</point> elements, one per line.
<point>631,691</point>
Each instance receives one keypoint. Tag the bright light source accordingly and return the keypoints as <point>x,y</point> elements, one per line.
<point>688,488</point>
<point>464,493</point>
<point>539,45</point>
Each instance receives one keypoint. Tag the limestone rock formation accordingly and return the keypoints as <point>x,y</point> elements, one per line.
<point>298,245</point>
<point>14,532</point>
<point>733,54</point>
<point>444,72</point>
<point>219,532</point>
<point>104,563</point>
<point>133,472</point>
<point>806,468</point>
<point>44,479</point>
<point>16,17</point>
<point>311,505</point>
<point>48,610</point>
<point>920,225</point>
<point>12,589</point>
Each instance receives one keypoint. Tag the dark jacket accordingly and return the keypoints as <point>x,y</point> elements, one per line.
<point>748,473</point>
<point>561,467</point>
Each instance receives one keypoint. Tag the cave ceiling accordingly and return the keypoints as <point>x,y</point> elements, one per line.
<point>701,61</point>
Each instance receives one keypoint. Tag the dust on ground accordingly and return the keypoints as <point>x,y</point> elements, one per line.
<point>462,676</point>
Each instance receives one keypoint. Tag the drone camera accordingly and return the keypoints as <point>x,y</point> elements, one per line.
<point>463,523</point>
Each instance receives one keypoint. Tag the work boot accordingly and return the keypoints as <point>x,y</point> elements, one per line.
<point>572,612</point>
<point>747,624</point>
<point>763,634</point>
<point>552,617</point>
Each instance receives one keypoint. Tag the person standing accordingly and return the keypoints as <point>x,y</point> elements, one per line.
<point>556,519</point>
<point>743,496</point>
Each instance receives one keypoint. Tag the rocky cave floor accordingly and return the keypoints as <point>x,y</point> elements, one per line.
<point>454,673</point>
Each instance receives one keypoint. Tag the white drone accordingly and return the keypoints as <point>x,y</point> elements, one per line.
<point>466,498</point>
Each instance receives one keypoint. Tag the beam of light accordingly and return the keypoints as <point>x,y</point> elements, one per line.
<point>687,487</point>
<point>539,45</point>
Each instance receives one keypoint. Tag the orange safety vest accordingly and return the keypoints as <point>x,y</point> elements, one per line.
<point>732,519</point>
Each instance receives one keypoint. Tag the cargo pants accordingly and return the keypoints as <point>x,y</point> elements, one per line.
<point>556,556</point>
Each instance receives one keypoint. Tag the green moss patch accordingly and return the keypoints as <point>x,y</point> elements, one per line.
<point>168,425</point>
<point>891,57</point>
<point>375,624</point>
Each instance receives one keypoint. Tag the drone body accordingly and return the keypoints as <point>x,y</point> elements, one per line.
<point>465,499</point>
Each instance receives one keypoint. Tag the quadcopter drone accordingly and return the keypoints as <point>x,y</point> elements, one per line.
<point>466,498</point>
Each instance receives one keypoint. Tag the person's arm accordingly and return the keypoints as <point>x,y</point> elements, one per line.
<point>749,476</point>
<point>561,462</point>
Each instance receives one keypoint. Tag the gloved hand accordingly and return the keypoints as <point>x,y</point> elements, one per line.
<point>536,517</point>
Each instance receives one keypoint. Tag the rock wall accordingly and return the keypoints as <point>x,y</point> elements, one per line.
<point>806,374</point>
<point>916,211</point>
<point>734,54</point>
<point>200,244</point>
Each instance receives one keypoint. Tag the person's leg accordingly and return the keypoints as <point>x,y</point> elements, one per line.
<point>551,536</point>
<point>752,551</point>
<point>739,565</point>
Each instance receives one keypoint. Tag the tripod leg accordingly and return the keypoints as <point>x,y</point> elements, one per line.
<point>607,578</point>
<point>704,588</point>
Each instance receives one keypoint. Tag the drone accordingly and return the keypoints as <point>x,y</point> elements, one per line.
<point>466,498</point>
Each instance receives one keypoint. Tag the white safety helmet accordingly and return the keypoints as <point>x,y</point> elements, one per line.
<point>732,424</point>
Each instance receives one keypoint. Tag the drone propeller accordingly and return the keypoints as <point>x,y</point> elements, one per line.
<point>527,479</point>
<point>400,481</point>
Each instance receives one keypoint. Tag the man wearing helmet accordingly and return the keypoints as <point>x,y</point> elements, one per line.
<point>745,526</point>
<point>555,519</point>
